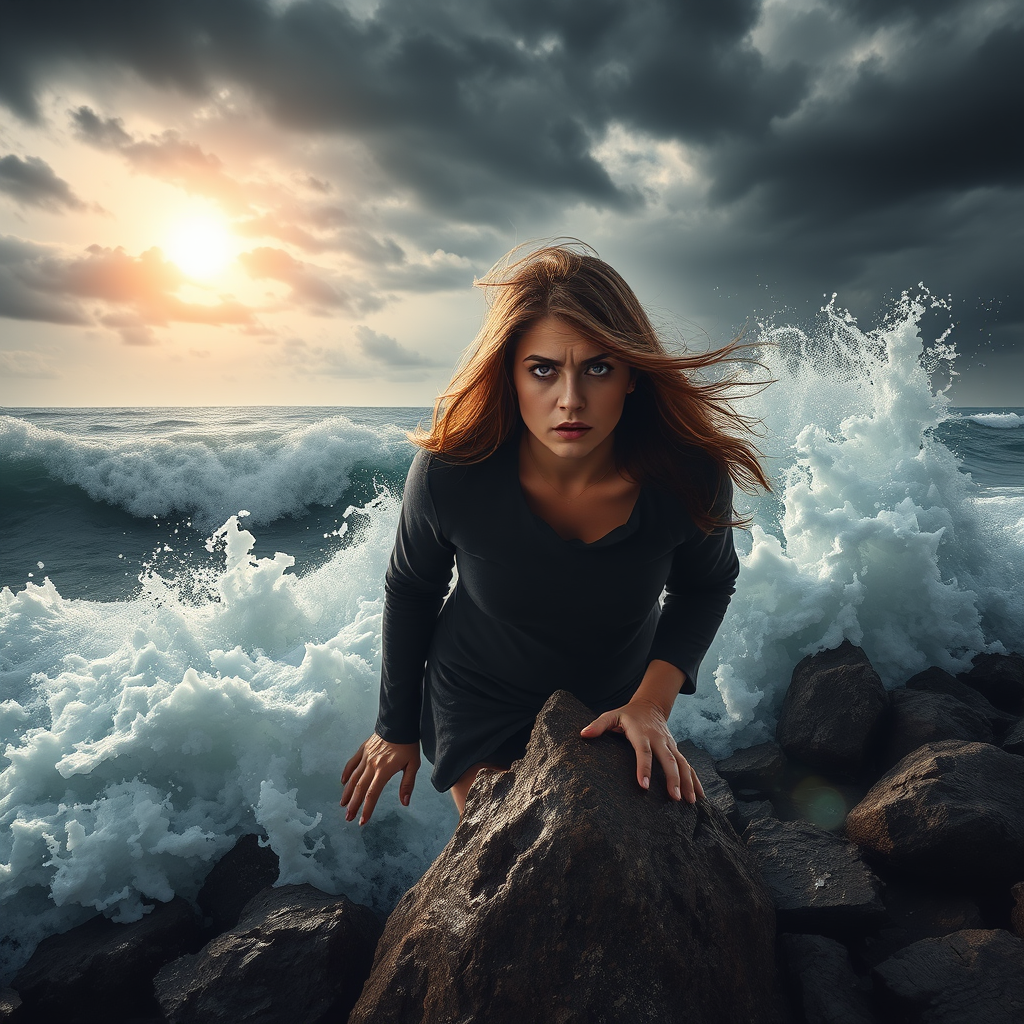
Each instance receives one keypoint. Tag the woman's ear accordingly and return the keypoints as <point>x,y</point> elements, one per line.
<point>632,382</point>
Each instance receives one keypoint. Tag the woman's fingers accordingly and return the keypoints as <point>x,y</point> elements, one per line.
<point>674,778</point>
<point>603,723</point>
<point>408,781</point>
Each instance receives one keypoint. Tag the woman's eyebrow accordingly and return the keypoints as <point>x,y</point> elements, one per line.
<point>603,358</point>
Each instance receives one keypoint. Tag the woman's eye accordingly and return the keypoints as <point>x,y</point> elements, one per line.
<point>599,370</point>
<point>542,372</point>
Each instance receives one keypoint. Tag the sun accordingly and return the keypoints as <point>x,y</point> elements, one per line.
<point>199,246</point>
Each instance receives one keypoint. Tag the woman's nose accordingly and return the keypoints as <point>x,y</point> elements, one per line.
<point>572,395</point>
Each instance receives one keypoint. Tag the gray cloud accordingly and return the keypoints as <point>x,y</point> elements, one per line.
<point>382,348</point>
<point>137,292</point>
<point>32,182</point>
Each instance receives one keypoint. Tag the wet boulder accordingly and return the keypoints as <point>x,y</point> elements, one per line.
<point>920,717</point>
<point>754,769</point>
<point>818,880</point>
<point>915,912</point>
<point>935,680</point>
<point>245,870</point>
<point>834,712</point>
<point>823,981</point>
<point>949,810</point>
<point>1014,741</point>
<point>101,971</point>
<point>970,976</point>
<point>296,954</point>
<point>999,678</point>
<point>748,811</point>
<point>570,894</point>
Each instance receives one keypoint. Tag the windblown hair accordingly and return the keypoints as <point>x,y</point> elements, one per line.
<point>678,427</point>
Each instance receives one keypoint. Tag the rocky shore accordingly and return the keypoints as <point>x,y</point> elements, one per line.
<point>867,867</point>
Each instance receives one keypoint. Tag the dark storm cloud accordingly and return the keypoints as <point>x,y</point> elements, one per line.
<point>824,169</point>
<point>32,182</point>
<point>476,106</point>
<point>42,283</point>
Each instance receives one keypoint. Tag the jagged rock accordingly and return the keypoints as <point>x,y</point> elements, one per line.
<point>10,1004</point>
<point>824,982</point>
<point>915,912</point>
<point>950,810</point>
<point>568,894</point>
<point>101,971</point>
<point>920,717</point>
<point>297,954</point>
<point>756,768</point>
<point>752,810</point>
<point>968,977</point>
<point>833,712</point>
<point>817,879</point>
<point>245,870</point>
<point>1014,741</point>
<point>1017,913</point>
<point>935,680</point>
<point>716,789</point>
<point>1000,678</point>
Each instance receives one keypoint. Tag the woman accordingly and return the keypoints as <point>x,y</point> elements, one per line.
<point>573,472</point>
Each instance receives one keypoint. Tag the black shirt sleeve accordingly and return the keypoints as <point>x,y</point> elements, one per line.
<point>700,585</point>
<point>415,585</point>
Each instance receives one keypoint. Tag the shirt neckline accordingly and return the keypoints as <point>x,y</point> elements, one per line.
<point>617,533</point>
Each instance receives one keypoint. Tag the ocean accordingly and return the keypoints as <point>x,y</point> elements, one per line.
<point>191,600</point>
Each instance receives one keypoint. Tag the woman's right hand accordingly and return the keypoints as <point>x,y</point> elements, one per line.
<point>370,769</point>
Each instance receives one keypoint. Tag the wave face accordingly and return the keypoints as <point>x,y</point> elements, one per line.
<point>222,691</point>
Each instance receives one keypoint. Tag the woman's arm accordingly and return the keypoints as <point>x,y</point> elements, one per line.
<point>699,587</point>
<point>417,579</point>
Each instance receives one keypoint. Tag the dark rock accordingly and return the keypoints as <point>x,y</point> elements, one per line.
<point>824,982</point>
<point>949,810</point>
<point>818,880</point>
<point>999,678</point>
<point>716,789</point>
<point>755,768</point>
<point>833,712</point>
<point>914,912</point>
<point>568,894</point>
<point>752,810</point>
<point>935,680</point>
<point>968,977</point>
<point>920,717</point>
<point>1014,741</point>
<point>1017,913</point>
<point>297,954</point>
<point>101,971</point>
<point>245,870</point>
<point>10,1004</point>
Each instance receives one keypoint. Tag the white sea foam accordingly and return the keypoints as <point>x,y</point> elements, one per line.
<point>999,420</point>
<point>212,477</point>
<point>142,736</point>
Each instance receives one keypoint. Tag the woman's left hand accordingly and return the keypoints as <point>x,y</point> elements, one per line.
<point>644,722</point>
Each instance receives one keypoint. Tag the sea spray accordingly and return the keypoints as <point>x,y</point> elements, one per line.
<point>874,535</point>
<point>142,735</point>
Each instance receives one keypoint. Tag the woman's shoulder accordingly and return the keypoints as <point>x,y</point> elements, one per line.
<point>451,480</point>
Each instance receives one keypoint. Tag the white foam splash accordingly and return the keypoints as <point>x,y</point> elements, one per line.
<point>998,420</point>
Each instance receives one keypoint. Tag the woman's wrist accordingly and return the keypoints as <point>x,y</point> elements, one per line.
<point>660,686</point>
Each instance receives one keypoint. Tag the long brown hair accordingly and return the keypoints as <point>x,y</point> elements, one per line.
<point>678,428</point>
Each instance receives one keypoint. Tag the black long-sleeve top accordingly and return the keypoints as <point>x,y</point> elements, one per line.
<point>531,613</point>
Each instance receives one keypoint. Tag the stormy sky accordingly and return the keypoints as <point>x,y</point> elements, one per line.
<point>270,202</point>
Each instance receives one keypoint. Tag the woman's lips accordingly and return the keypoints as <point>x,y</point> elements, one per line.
<point>571,431</point>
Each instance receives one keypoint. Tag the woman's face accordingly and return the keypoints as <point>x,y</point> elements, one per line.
<point>570,392</point>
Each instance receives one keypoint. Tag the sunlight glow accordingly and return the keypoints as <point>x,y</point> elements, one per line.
<point>199,246</point>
